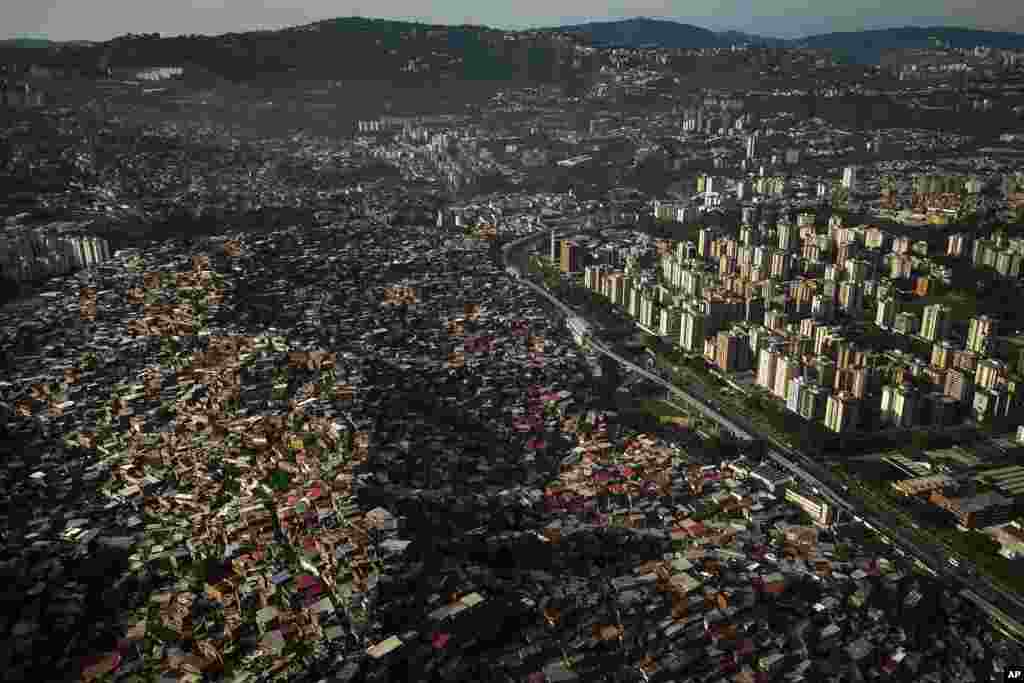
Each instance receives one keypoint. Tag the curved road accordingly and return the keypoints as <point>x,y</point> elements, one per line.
<point>984,594</point>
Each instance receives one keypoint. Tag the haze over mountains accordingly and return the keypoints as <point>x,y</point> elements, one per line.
<point>354,47</point>
<point>859,46</point>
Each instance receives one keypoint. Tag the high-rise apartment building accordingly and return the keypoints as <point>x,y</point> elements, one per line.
<point>875,238</point>
<point>813,402</point>
<point>786,368</point>
<point>794,394</point>
<point>942,355</point>
<point>752,146</point>
<point>789,236</point>
<point>899,405</point>
<point>956,244</point>
<point>857,269</point>
<point>990,373</point>
<point>571,260</point>
<point>850,178</point>
<point>691,332</point>
<point>851,297</point>
<point>670,323</point>
<point>936,322</point>
<point>885,314</point>
<point>779,265</point>
<point>980,330</point>
<point>649,312</point>
<point>841,412</point>
<point>826,370</point>
<point>901,266</point>
<point>766,368</point>
<point>906,323</point>
<point>727,351</point>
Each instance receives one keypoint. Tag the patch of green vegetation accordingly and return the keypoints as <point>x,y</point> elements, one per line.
<point>279,480</point>
<point>660,409</point>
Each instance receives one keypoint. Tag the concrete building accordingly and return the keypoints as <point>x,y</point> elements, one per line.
<point>850,178</point>
<point>899,405</point>
<point>936,322</point>
<point>885,314</point>
<point>841,412</point>
<point>974,512</point>
<point>980,330</point>
<point>821,512</point>
<point>691,332</point>
<point>786,368</point>
<point>905,323</point>
<point>571,257</point>
<point>794,394</point>
<point>942,355</point>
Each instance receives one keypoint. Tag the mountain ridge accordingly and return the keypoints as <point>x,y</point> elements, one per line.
<point>358,47</point>
<point>863,46</point>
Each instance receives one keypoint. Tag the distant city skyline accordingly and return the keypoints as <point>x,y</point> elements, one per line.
<point>63,20</point>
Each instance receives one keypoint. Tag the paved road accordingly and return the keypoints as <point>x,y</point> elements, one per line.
<point>985,592</point>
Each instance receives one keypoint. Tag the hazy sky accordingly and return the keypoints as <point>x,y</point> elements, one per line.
<point>103,19</point>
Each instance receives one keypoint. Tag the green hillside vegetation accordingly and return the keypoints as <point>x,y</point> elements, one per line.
<point>344,48</point>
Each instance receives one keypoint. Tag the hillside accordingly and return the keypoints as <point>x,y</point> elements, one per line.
<point>863,47</point>
<point>346,48</point>
<point>866,47</point>
<point>641,32</point>
<point>410,53</point>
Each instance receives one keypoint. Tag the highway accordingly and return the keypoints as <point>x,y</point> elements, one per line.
<point>984,594</point>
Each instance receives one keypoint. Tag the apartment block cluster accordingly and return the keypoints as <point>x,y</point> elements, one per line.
<point>30,254</point>
<point>997,251</point>
<point>773,301</point>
